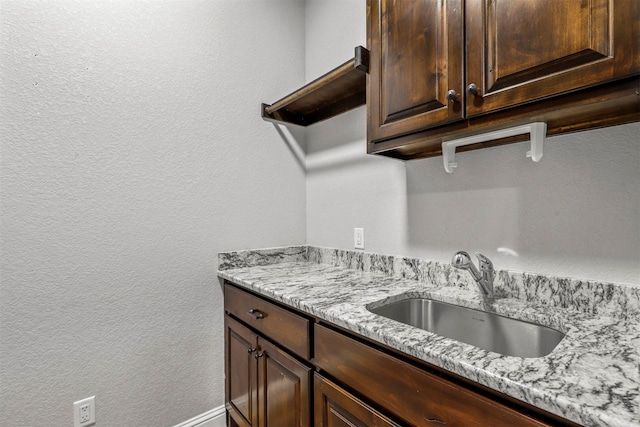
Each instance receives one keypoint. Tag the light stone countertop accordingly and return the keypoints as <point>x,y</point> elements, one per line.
<point>592,377</point>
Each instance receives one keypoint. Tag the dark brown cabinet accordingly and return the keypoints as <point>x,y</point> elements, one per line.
<point>265,386</point>
<point>446,69</point>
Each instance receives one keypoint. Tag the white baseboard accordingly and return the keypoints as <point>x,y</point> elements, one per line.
<point>217,417</point>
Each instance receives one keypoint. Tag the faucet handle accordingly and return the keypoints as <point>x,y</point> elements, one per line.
<point>484,262</point>
<point>486,269</point>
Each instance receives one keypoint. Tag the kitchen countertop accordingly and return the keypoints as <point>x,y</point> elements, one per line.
<point>592,377</point>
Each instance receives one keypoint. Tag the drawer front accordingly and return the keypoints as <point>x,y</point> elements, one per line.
<point>284,327</point>
<point>420,398</point>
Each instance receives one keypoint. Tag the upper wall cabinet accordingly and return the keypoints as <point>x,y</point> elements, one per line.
<point>416,58</point>
<point>523,50</point>
<point>442,69</point>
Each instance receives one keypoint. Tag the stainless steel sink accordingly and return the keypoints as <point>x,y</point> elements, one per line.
<point>485,330</point>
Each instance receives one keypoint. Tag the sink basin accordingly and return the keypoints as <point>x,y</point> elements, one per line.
<point>485,330</point>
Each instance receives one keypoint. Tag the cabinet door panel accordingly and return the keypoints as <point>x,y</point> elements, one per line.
<point>417,23</point>
<point>284,392</point>
<point>415,58</point>
<point>334,407</point>
<point>241,375</point>
<point>522,50</point>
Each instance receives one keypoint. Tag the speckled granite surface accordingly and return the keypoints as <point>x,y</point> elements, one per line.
<point>591,378</point>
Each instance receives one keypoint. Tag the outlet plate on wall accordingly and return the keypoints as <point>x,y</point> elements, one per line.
<point>84,412</point>
<point>358,238</point>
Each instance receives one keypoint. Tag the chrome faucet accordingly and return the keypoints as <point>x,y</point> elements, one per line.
<point>483,277</point>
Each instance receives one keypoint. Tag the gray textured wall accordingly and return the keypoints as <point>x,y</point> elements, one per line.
<point>132,151</point>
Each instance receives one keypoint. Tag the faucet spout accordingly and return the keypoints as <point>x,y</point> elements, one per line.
<point>483,276</point>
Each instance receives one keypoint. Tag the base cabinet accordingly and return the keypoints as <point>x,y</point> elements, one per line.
<point>266,387</point>
<point>356,383</point>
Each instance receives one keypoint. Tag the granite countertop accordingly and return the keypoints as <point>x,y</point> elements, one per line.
<point>592,377</point>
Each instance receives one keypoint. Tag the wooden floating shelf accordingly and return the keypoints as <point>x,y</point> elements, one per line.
<point>338,91</point>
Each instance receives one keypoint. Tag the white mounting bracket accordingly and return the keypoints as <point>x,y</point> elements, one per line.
<point>538,131</point>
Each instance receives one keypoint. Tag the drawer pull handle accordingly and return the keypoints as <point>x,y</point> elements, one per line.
<point>256,314</point>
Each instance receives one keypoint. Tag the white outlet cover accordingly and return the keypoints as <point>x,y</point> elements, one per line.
<point>358,238</point>
<point>91,402</point>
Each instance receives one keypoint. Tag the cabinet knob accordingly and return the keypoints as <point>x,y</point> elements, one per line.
<point>258,355</point>
<point>452,95</point>
<point>472,89</point>
<point>256,314</point>
<point>251,350</point>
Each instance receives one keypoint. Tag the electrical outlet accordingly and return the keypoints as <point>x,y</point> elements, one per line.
<point>84,412</point>
<point>358,238</point>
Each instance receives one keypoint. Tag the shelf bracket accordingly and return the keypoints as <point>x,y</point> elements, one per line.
<point>538,131</point>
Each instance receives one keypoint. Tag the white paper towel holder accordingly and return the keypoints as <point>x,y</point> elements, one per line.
<point>538,131</point>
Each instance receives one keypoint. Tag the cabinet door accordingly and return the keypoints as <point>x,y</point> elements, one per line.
<point>284,385</point>
<point>416,55</point>
<point>241,375</point>
<point>334,407</point>
<point>523,50</point>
